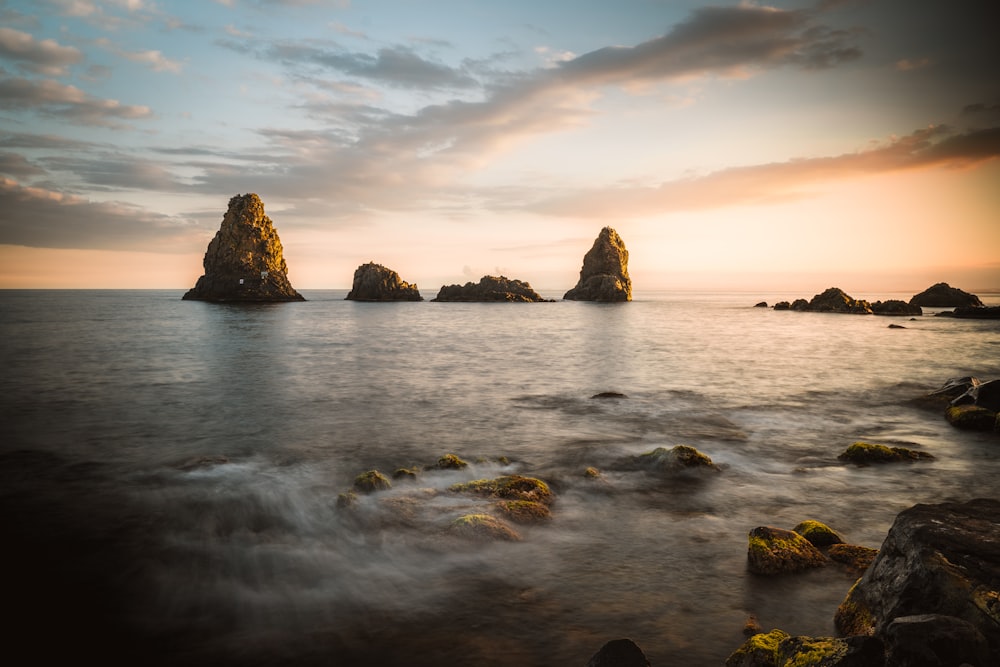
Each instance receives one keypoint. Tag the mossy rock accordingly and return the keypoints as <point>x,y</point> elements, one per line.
<point>681,457</point>
<point>524,511</point>
<point>760,650</point>
<point>371,481</point>
<point>508,487</point>
<point>853,617</point>
<point>812,652</point>
<point>971,417</point>
<point>856,557</point>
<point>346,499</point>
<point>405,474</point>
<point>592,473</point>
<point>819,534</point>
<point>451,462</point>
<point>483,528</point>
<point>777,551</point>
<point>863,453</point>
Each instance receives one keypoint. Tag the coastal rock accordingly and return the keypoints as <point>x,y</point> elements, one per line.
<point>864,453</point>
<point>483,528</point>
<point>244,261</point>
<point>489,289</point>
<point>895,307</point>
<point>939,559</point>
<point>676,459</point>
<point>524,511</point>
<point>854,556</point>
<point>782,305</point>
<point>933,639</point>
<point>943,295</point>
<point>778,649</point>
<point>371,481</point>
<point>778,551</point>
<point>971,417</point>
<point>507,487</point>
<point>374,282</point>
<point>835,300</point>
<point>604,275</point>
<point>760,304</point>
<point>977,312</point>
<point>799,305</point>
<point>619,653</point>
<point>819,534</point>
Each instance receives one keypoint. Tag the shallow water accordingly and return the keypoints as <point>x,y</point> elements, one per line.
<point>170,470</point>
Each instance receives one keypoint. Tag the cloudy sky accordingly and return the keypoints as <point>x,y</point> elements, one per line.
<point>798,144</point>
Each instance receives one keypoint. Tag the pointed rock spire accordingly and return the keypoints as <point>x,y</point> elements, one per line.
<point>244,261</point>
<point>604,276</point>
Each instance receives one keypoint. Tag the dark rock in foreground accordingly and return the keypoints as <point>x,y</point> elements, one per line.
<point>604,275</point>
<point>619,653</point>
<point>778,551</point>
<point>490,289</point>
<point>374,282</point>
<point>943,295</point>
<point>941,560</point>
<point>244,261</point>
<point>778,649</point>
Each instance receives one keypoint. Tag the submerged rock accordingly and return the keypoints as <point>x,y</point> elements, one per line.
<point>524,511</point>
<point>604,275</point>
<point>244,261</point>
<point>507,487</point>
<point>971,417</point>
<point>864,453</point>
<point>374,282</point>
<point>777,551</point>
<point>939,559</point>
<point>489,289</point>
<point>483,528</point>
<point>854,556</point>
<point>619,653</point>
<point>819,534</point>
<point>681,457</point>
<point>943,295</point>
<point>371,481</point>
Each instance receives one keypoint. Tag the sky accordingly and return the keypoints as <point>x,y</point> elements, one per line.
<point>790,146</point>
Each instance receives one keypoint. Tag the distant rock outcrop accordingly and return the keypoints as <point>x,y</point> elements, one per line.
<point>374,282</point>
<point>896,307</point>
<point>490,288</point>
<point>244,261</point>
<point>604,276</point>
<point>944,295</point>
<point>977,312</point>
<point>835,300</point>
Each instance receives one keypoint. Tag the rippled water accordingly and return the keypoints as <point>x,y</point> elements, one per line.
<point>170,471</point>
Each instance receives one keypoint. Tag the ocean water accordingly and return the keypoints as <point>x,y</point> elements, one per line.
<point>169,471</point>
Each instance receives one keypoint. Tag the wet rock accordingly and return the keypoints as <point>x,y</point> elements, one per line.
<point>451,462</point>
<point>835,300</point>
<point>854,556</point>
<point>619,653</point>
<point>983,394</point>
<point>863,453</point>
<point>244,261</point>
<point>933,639</point>
<point>941,559</point>
<point>896,326</point>
<point>483,528</point>
<point>782,305</point>
<point>818,534</point>
<point>971,417</point>
<point>524,511</point>
<point>943,295</point>
<point>604,275</point>
<point>374,282</point>
<point>371,481</point>
<point>507,487</point>
<point>778,649</point>
<point>896,307</point>
<point>977,312</point>
<point>489,289</point>
<point>405,474</point>
<point>609,394</point>
<point>675,459</point>
<point>778,551</point>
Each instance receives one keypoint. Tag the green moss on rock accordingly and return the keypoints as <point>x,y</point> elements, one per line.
<point>775,551</point>
<point>508,487</point>
<point>677,458</point>
<point>371,481</point>
<point>971,417</point>
<point>819,534</point>
<point>483,528</point>
<point>760,650</point>
<point>853,617</point>
<point>524,511</point>
<point>863,453</point>
<point>405,473</point>
<point>451,462</point>
<point>856,557</point>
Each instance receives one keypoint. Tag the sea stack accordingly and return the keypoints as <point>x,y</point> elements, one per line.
<point>604,276</point>
<point>374,282</point>
<point>943,295</point>
<point>244,262</point>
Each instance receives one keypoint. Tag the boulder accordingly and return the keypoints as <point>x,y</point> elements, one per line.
<point>490,288</point>
<point>943,295</point>
<point>619,653</point>
<point>778,551</point>
<point>604,275</point>
<point>524,511</point>
<point>970,417</point>
<point>896,307</point>
<point>371,481</point>
<point>978,313</point>
<point>244,261</point>
<point>782,305</point>
<point>799,305</point>
<point>778,649</point>
<point>483,528</point>
<point>819,534</point>
<point>760,304</point>
<point>933,639</point>
<point>374,282</point>
<point>854,556</point>
<point>676,459</point>
<point>941,559</point>
<point>864,453</point>
<point>507,487</point>
<point>835,300</point>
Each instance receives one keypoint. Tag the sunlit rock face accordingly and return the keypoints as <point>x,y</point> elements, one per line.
<point>374,282</point>
<point>244,262</point>
<point>604,276</point>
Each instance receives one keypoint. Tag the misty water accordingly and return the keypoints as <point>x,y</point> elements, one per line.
<point>170,471</point>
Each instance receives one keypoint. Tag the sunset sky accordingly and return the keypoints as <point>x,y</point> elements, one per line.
<point>733,145</point>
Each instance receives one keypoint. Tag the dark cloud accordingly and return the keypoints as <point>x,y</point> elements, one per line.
<point>45,56</point>
<point>41,218</point>
<point>112,172</point>
<point>68,103</point>
<point>43,141</point>
<point>18,166</point>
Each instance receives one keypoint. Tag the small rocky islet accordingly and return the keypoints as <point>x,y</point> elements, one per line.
<point>941,295</point>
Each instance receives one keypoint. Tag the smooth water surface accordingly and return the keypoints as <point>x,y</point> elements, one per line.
<point>171,470</point>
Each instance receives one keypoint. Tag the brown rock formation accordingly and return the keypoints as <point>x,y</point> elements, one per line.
<point>374,282</point>
<point>943,295</point>
<point>244,261</point>
<point>604,276</point>
<point>489,288</point>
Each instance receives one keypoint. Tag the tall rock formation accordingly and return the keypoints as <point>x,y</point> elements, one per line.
<point>374,282</point>
<point>489,288</point>
<point>244,261</point>
<point>604,276</point>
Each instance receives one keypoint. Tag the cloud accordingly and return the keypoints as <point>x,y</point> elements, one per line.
<point>58,220</point>
<point>937,146</point>
<point>38,56</point>
<point>18,166</point>
<point>68,103</point>
<point>155,60</point>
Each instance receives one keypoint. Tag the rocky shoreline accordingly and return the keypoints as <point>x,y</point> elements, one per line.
<point>941,295</point>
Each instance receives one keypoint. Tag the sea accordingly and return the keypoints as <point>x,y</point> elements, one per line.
<point>170,471</point>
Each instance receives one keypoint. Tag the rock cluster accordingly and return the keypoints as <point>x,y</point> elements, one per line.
<point>244,262</point>
<point>943,295</point>
<point>374,282</point>
<point>489,288</point>
<point>969,403</point>
<point>604,275</point>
